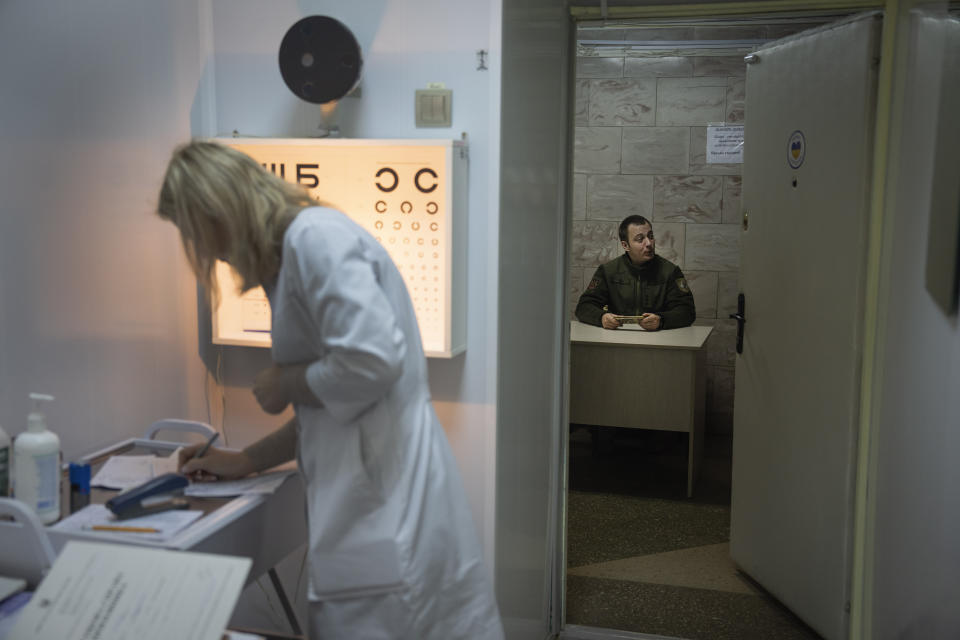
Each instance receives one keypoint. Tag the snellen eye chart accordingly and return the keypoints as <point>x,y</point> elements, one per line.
<point>409,194</point>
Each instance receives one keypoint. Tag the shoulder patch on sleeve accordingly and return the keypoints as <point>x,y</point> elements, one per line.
<point>682,285</point>
<point>594,283</point>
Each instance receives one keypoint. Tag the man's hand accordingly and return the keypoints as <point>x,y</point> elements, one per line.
<point>214,465</point>
<point>650,321</point>
<point>609,321</point>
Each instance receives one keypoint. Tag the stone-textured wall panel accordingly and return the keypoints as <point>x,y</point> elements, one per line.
<point>703,284</point>
<point>574,288</point>
<point>667,66</point>
<point>657,34</point>
<point>720,394</point>
<point>596,150</point>
<point>616,197</point>
<point>599,67</point>
<point>690,101</point>
<point>670,241</point>
<point>719,66</point>
<point>731,199</point>
<point>777,31</point>
<point>727,291</point>
<point>733,32</point>
<point>594,242</point>
<point>623,101</point>
<point>687,198</point>
<point>722,343</point>
<point>713,247</point>
<point>736,100</point>
<point>579,195</point>
<point>586,32</point>
<point>656,150</point>
<point>581,103</point>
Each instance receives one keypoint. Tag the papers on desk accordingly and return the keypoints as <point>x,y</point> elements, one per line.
<point>115,592</point>
<point>10,609</point>
<point>157,527</point>
<point>265,483</point>
<point>630,323</point>
<point>125,472</point>
<point>10,586</point>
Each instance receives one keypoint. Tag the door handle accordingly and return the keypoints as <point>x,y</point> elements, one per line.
<point>741,319</point>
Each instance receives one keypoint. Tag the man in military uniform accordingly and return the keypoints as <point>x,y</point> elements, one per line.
<point>639,283</point>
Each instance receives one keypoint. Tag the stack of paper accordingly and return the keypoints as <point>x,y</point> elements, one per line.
<point>10,586</point>
<point>125,472</point>
<point>155,527</point>
<point>265,483</point>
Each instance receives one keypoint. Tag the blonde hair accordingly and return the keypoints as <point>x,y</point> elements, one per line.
<point>227,207</point>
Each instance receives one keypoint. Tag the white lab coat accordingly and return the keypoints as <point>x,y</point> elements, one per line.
<point>385,504</point>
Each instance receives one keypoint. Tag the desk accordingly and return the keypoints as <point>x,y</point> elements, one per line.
<point>264,528</point>
<point>641,380</point>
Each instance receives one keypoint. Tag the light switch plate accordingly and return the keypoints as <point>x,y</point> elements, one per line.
<point>434,108</point>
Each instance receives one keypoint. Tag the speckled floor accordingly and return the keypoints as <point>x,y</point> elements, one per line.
<point>643,557</point>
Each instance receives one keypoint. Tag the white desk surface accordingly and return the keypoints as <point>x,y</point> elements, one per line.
<point>692,337</point>
<point>265,528</point>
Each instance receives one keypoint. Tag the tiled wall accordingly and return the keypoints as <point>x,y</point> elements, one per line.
<point>640,147</point>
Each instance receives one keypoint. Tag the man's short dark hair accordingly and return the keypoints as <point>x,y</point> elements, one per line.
<point>629,220</point>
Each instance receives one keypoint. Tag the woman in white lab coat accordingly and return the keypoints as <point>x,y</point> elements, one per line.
<point>392,547</point>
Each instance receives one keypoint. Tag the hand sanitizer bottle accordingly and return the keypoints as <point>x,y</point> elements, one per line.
<point>36,465</point>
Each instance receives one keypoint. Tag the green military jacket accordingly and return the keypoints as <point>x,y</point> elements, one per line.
<point>623,288</point>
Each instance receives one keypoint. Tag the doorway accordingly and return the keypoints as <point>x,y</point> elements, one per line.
<point>641,556</point>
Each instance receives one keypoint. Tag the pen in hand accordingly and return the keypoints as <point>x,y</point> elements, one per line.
<point>203,450</point>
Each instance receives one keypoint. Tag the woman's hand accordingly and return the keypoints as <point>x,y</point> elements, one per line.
<point>216,464</point>
<point>271,387</point>
<point>279,385</point>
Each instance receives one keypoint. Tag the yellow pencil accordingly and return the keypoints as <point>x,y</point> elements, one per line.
<point>106,527</point>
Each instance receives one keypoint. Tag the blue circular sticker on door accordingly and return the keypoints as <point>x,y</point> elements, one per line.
<point>796,149</point>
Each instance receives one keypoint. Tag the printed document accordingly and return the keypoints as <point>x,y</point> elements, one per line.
<point>101,591</point>
<point>264,483</point>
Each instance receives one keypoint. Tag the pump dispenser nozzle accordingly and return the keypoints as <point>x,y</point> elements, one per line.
<point>36,421</point>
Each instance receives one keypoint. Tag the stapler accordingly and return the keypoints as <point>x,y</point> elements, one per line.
<point>159,494</point>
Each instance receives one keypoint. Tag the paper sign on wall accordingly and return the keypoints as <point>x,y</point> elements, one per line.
<point>725,143</point>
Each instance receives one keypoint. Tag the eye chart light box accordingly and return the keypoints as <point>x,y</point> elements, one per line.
<point>410,195</point>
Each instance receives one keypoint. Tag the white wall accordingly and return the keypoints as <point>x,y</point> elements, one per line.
<point>916,584</point>
<point>98,306</point>
<point>405,44</point>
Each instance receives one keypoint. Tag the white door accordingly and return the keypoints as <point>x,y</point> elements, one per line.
<point>806,178</point>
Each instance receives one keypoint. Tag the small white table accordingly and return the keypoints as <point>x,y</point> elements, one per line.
<point>264,528</point>
<point>641,380</point>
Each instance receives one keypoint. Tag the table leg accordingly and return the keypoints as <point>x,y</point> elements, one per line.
<point>287,607</point>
